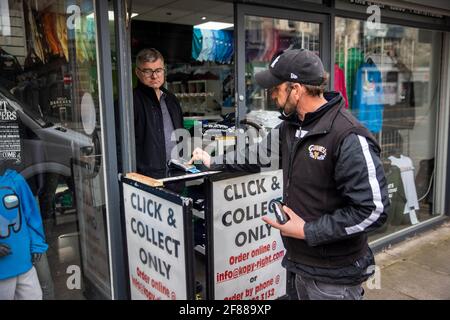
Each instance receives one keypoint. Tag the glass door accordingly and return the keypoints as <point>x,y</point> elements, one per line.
<point>262,34</point>
<point>51,148</point>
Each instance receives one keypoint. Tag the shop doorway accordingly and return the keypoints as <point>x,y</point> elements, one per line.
<point>262,34</point>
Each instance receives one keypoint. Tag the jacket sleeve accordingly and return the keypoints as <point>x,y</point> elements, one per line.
<point>265,155</point>
<point>32,218</point>
<point>361,182</point>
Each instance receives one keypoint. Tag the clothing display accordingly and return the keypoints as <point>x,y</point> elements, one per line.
<point>49,24</point>
<point>33,33</point>
<point>61,32</point>
<point>355,58</point>
<point>85,41</point>
<point>339,83</point>
<point>20,225</point>
<point>368,97</point>
<point>406,167</point>
<point>397,197</point>
<point>212,45</point>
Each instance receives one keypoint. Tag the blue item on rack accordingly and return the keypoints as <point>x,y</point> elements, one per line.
<point>368,97</point>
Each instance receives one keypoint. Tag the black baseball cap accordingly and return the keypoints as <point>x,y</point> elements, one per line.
<point>295,65</point>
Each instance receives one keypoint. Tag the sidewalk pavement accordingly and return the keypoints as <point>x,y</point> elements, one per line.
<point>415,269</point>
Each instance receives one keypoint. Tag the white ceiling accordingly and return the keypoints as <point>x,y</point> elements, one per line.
<point>182,11</point>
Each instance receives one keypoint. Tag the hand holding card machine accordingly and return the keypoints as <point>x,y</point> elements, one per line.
<point>277,207</point>
<point>183,166</point>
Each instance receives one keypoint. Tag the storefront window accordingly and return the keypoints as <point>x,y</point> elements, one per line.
<point>50,137</point>
<point>264,38</point>
<point>389,77</point>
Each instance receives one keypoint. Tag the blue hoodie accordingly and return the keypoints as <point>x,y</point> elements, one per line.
<point>20,225</point>
<point>367,104</point>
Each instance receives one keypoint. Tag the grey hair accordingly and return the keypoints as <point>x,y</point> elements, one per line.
<point>148,55</point>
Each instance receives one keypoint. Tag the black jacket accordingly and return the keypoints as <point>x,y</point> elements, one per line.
<point>149,131</point>
<point>334,180</point>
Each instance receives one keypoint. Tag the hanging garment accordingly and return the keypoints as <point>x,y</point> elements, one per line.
<point>229,46</point>
<point>270,44</point>
<point>397,197</point>
<point>197,43</point>
<point>49,24</point>
<point>20,225</point>
<point>32,34</point>
<point>368,97</point>
<point>339,83</point>
<point>224,41</point>
<point>406,167</point>
<point>212,54</point>
<point>207,46</point>
<point>61,31</point>
<point>355,58</point>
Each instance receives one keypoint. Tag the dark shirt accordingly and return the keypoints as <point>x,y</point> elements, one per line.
<point>149,127</point>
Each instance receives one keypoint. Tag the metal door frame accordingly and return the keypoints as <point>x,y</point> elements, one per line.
<point>326,37</point>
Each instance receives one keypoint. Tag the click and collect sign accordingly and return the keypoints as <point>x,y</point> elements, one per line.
<point>247,251</point>
<point>155,232</point>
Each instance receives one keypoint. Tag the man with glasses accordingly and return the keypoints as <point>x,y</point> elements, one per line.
<point>157,113</point>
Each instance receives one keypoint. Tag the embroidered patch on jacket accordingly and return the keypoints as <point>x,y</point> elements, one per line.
<point>317,152</point>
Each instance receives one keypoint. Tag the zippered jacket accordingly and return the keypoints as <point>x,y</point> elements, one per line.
<point>334,180</point>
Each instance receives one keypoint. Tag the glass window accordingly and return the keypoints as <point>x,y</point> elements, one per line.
<point>196,40</point>
<point>389,78</point>
<point>50,146</point>
<point>265,38</point>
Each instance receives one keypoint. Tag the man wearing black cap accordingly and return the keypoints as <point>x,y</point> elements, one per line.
<point>334,185</point>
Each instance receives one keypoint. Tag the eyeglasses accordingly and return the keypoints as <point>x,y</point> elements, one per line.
<point>150,72</point>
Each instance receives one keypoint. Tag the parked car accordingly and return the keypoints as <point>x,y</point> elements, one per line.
<point>45,147</point>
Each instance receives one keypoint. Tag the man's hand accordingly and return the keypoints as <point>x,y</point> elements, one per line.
<point>293,228</point>
<point>200,155</point>
<point>4,250</point>
<point>35,258</point>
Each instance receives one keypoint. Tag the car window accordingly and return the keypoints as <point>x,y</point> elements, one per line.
<point>7,99</point>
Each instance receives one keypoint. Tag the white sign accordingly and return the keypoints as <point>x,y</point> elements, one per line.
<point>156,249</point>
<point>247,251</point>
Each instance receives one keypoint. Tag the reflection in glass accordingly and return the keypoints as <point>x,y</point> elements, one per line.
<point>264,39</point>
<point>48,62</point>
<point>389,78</point>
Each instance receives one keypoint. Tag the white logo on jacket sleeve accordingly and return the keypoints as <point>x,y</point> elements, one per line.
<point>317,152</point>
